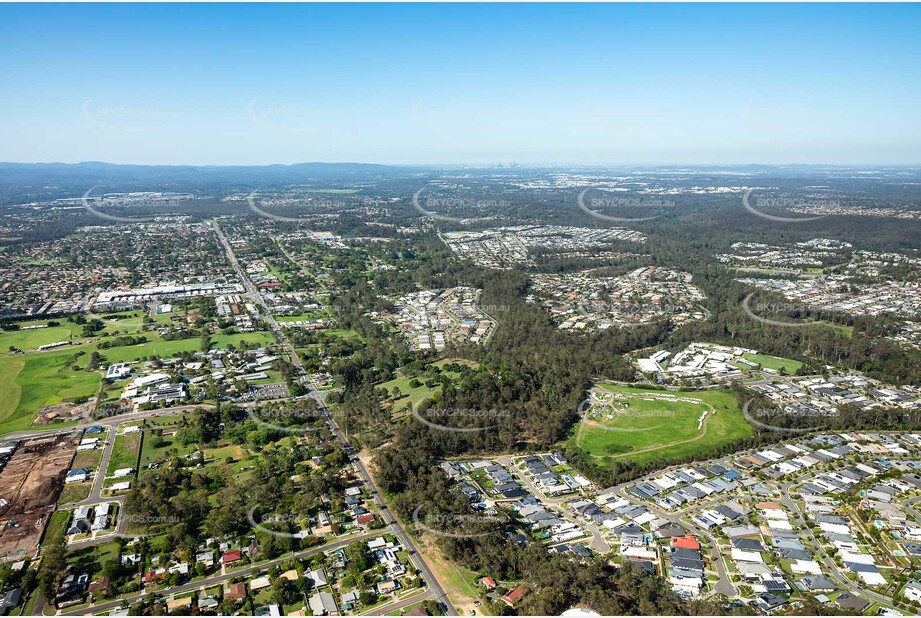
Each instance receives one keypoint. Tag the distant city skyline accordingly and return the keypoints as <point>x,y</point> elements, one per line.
<point>476,84</point>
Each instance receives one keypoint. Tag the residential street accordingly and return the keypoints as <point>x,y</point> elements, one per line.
<point>395,527</point>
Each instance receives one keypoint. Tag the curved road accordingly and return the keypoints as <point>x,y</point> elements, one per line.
<point>598,544</point>
<point>837,575</point>
<point>724,585</point>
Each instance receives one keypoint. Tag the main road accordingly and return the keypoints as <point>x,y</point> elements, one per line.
<point>395,528</point>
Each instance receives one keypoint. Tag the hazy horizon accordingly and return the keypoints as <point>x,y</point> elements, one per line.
<point>461,85</point>
<point>497,164</point>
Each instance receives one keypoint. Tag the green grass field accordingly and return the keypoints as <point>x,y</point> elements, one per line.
<point>259,338</point>
<point>301,316</point>
<point>92,559</point>
<point>167,349</point>
<point>33,381</point>
<point>652,427</point>
<point>31,339</point>
<point>86,459</point>
<point>28,340</point>
<point>57,527</point>
<point>774,362</point>
<point>125,452</point>
<point>74,492</point>
<point>412,396</point>
<point>149,453</point>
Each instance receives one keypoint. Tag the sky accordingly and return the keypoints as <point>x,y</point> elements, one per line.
<point>461,84</point>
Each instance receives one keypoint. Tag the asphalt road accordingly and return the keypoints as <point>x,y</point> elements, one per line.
<point>383,610</point>
<point>395,528</point>
<point>218,579</point>
<point>724,585</point>
<point>819,548</point>
<point>598,544</point>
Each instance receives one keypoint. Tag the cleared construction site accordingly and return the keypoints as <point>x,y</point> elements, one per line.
<point>29,486</point>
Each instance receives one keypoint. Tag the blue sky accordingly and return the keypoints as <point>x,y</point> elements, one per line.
<point>435,84</point>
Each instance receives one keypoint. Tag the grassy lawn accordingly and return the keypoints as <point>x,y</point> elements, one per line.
<point>27,340</point>
<point>348,334</point>
<point>401,612</point>
<point>32,339</point>
<point>31,382</point>
<point>75,492</point>
<point>149,453</point>
<point>651,424</point>
<point>459,583</point>
<point>130,322</point>
<point>9,387</point>
<point>91,559</point>
<point>155,347</point>
<point>301,317</point>
<point>57,527</point>
<point>774,362</point>
<point>164,422</point>
<point>412,396</point>
<point>168,349</point>
<point>274,378</point>
<point>86,459</point>
<point>222,452</point>
<point>259,338</point>
<point>125,453</point>
<point>217,456</point>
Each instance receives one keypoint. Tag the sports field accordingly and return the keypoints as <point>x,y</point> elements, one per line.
<point>637,424</point>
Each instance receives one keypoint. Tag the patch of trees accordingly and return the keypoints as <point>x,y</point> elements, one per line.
<point>122,340</point>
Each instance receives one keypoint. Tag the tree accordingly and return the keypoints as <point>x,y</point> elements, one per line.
<point>357,552</point>
<point>54,562</point>
<point>112,569</point>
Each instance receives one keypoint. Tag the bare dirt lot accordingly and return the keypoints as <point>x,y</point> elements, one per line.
<point>65,412</point>
<point>29,485</point>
